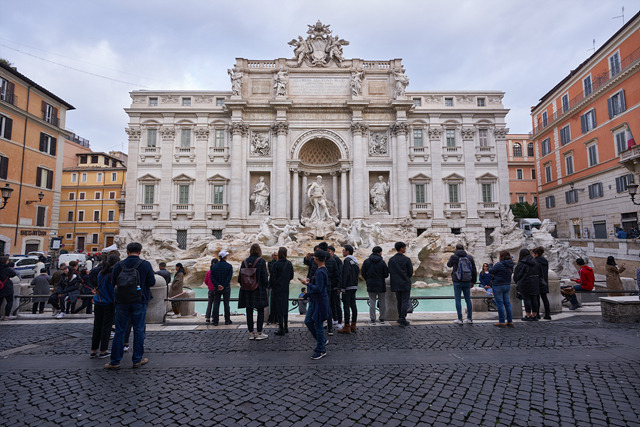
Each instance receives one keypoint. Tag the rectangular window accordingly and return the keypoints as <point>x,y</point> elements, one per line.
<point>4,167</point>
<point>547,173</point>
<point>152,135</point>
<point>81,195</point>
<point>521,199</point>
<point>417,102</point>
<point>219,138</point>
<point>219,102</point>
<point>44,178</point>
<point>6,125</point>
<point>41,216</point>
<point>453,193</point>
<point>483,137</point>
<point>614,64</point>
<point>519,174</point>
<point>535,200</point>
<point>181,237</point>
<point>530,149</point>
<point>533,174</point>
<point>616,104</point>
<point>94,238</point>
<point>417,138</point>
<point>94,160</point>
<point>149,193</point>
<point>183,194</point>
<point>586,83</point>
<point>186,102</point>
<point>96,216</point>
<point>99,177</point>
<point>545,119</point>
<point>550,201</point>
<point>448,102</point>
<point>595,190</point>
<point>217,233</point>
<point>112,195</point>
<point>487,193</point>
<point>420,193</point>
<point>451,137</point>
<point>565,135</point>
<point>80,216</point>
<point>83,177</point>
<point>565,102</point>
<point>588,121</point>
<point>97,195</point>
<point>83,160</point>
<point>153,102</point>
<point>571,196</point>
<point>74,177</point>
<point>623,181</point>
<point>111,215</point>
<point>568,161</point>
<point>546,146</point>
<point>68,236</point>
<point>480,102</point>
<point>621,141</point>
<point>48,144</point>
<point>6,90</point>
<point>114,176</point>
<point>49,114</point>
<point>218,193</point>
<point>70,216</point>
<point>105,161</point>
<point>185,138</point>
<point>72,196</point>
<point>592,151</point>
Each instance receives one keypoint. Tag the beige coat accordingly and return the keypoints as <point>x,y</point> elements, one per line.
<point>613,280</point>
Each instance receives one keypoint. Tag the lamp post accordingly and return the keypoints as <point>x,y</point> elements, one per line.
<point>633,189</point>
<point>40,197</point>
<point>6,194</point>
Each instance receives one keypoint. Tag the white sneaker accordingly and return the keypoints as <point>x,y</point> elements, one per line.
<point>335,322</point>
<point>252,336</point>
<point>339,326</point>
<point>126,348</point>
<point>468,320</point>
<point>175,316</point>
<point>60,316</point>
<point>458,322</point>
<point>55,313</point>
<point>371,322</point>
<point>261,336</point>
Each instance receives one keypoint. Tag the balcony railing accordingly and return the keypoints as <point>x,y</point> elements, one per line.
<point>182,209</point>
<point>218,152</point>
<point>454,207</point>
<point>451,152</point>
<point>189,152</point>
<point>147,209</point>
<point>485,151</point>
<point>217,209</point>
<point>421,208</point>
<point>419,152</point>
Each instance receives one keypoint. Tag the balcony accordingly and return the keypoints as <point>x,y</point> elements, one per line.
<point>420,152</point>
<point>422,209</point>
<point>182,209</point>
<point>184,153</point>
<point>147,209</point>
<point>485,151</point>
<point>454,208</point>
<point>215,209</point>
<point>149,152</point>
<point>631,159</point>
<point>218,152</point>
<point>448,152</point>
<point>485,208</point>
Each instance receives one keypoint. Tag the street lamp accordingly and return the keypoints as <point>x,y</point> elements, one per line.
<point>633,189</point>
<point>40,197</point>
<point>6,194</point>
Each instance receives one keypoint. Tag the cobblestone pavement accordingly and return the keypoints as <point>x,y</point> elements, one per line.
<point>578,372</point>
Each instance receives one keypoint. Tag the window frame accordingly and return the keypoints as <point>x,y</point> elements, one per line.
<point>592,153</point>
<point>596,190</point>
<point>615,67</point>
<point>149,139</point>
<point>622,144</point>
<point>419,139</point>
<point>519,174</point>
<point>564,101</point>
<point>588,121</point>
<point>585,86</point>
<point>450,135</point>
<point>616,104</point>
<point>550,201</point>
<point>448,101</point>
<point>548,173</point>
<point>516,149</point>
<point>545,146</point>
<point>565,134</point>
<point>568,164</point>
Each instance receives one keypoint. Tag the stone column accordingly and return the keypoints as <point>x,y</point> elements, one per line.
<point>359,191</point>
<point>334,175</point>
<point>296,194</point>
<point>166,197</point>
<point>279,184</point>
<point>132,197</point>
<point>235,186</point>
<point>344,214</point>
<point>437,189</point>
<point>304,189</point>
<point>400,129</point>
<point>471,187</point>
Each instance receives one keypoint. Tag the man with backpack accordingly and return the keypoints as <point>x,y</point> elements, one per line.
<point>132,279</point>
<point>6,286</point>
<point>464,275</point>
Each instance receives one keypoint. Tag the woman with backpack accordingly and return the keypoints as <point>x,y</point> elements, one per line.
<point>176,289</point>
<point>502,272</point>
<point>104,309</point>
<point>254,280</point>
<point>537,253</point>
<point>527,277</point>
<point>281,276</point>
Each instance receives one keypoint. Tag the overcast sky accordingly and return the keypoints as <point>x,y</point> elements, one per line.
<point>521,47</point>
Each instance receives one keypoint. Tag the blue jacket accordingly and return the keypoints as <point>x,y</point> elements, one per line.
<point>105,295</point>
<point>221,274</point>
<point>147,277</point>
<point>502,272</point>
<point>319,297</point>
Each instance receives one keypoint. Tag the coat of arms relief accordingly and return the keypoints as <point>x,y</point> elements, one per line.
<point>320,46</point>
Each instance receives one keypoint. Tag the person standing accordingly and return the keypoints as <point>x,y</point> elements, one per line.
<point>133,312</point>
<point>105,308</point>
<point>319,308</point>
<point>221,274</point>
<point>41,286</point>
<point>272,309</point>
<point>302,301</point>
<point>349,283</point>
<point>6,290</point>
<point>527,277</point>
<point>164,273</point>
<point>279,280</point>
<point>212,291</point>
<point>463,274</point>
<point>374,272</point>
<point>538,253</point>
<point>334,267</point>
<point>585,282</point>
<point>613,276</point>
<point>502,272</point>
<point>257,298</point>
<point>176,289</point>
<point>400,273</point>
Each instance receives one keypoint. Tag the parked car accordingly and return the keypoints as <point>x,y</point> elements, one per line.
<point>81,258</point>
<point>25,266</point>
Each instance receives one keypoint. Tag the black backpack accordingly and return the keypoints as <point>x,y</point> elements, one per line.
<point>128,289</point>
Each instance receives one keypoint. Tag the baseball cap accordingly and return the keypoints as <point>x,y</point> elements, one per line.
<point>222,254</point>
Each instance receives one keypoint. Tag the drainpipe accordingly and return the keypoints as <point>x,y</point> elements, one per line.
<point>24,148</point>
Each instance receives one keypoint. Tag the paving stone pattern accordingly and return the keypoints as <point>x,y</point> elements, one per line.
<point>532,375</point>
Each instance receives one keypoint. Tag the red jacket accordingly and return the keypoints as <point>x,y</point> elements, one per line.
<point>587,279</point>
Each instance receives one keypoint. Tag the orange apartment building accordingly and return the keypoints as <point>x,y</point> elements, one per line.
<point>580,130</point>
<point>32,134</point>
<point>523,186</point>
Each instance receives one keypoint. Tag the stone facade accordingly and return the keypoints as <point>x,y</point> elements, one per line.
<point>214,162</point>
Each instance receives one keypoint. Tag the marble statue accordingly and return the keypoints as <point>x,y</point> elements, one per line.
<point>378,144</point>
<point>508,237</point>
<point>561,255</point>
<point>301,49</point>
<point>236,81</point>
<point>267,235</point>
<point>378,195</point>
<point>259,145</point>
<point>287,235</point>
<point>280,83</point>
<point>320,47</point>
<point>402,81</point>
<point>318,199</point>
<point>260,198</point>
<point>356,82</point>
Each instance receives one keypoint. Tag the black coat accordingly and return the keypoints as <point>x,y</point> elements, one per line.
<point>350,273</point>
<point>544,277</point>
<point>400,272</point>
<point>257,298</point>
<point>453,262</point>
<point>281,276</point>
<point>527,276</point>
<point>6,273</point>
<point>502,272</point>
<point>374,271</point>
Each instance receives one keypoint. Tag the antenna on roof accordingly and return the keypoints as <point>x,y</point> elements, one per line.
<point>594,46</point>
<point>621,16</point>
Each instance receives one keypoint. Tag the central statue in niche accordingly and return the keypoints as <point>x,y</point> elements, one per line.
<point>320,213</point>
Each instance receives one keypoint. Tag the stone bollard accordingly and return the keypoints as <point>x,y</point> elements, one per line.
<point>479,305</point>
<point>157,306</point>
<point>21,289</point>
<point>188,308</point>
<point>516,304</point>
<point>391,304</point>
<point>554,296</point>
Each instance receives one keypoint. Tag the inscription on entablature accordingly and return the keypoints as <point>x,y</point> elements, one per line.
<point>260,86</point>
<point>252,115</point>
<point>372,117</point>
<point>318,116</point>
<point>319,86</point>
<point>377,87</point>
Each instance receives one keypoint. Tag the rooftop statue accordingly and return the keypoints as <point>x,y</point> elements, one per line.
<point>320,47</point>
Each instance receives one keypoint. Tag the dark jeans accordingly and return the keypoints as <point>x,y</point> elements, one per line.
<point>280,302</point>
<point>460,288</point>
<point>316,329</point>
<point>37,306</point>
<point>545,302</point>
<point>273,311</point>
<point>56,302</point>
<point>210,298</point>
<point>9,306</point>
<point>102,322</point>
<point>134,313</point>
<point>404,302</point>
<point>86,302</point>
<point>224,295</point>
<point>574,299</point>
<point>350,307</point>
<point>250,319</point>
<point>530,303</point>
<point>336,310</point>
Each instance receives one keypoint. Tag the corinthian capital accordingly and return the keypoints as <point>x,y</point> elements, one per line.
<point>238,129</point>
<point>134,133</point>
<point>168,132</point>
<point>435,133</point>
<point>359,128</point>
<point>280,128</point>
<point>501,133</point>
<point>468,133</point>
<point>399,128</point>
<point>202,133</point>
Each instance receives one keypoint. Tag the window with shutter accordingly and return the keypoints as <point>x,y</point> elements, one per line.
<point>4,167</point>
<point>6,124</point>
<point>39,177</point>
<point>50,180</point>
<point>40,216</point>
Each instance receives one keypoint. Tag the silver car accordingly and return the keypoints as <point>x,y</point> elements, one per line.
<point>25,266</point>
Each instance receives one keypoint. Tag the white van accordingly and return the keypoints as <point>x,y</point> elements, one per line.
<point>81,258</point>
